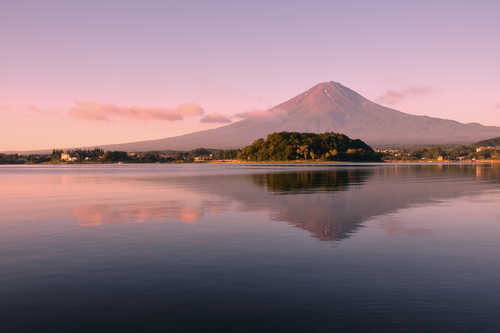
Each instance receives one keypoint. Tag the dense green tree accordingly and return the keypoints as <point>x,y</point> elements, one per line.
<point>230,154</point>
<point>115,156</point>
<point>200,152</point>
<point>289,146</point>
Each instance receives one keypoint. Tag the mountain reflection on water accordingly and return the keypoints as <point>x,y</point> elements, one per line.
<point>329,203</point>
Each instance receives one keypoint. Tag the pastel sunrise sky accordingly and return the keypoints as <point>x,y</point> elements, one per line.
<point>80,73</point>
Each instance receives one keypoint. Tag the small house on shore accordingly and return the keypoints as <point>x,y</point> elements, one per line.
<point>68,157</point>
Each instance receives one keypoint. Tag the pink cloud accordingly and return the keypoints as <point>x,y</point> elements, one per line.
<point>34,108</point>
<point>253,114</point>
<point>107,112</point>
<point>391,97</point>
<point>262,114</point>
<point>497,106</point>
<point>215,118</point>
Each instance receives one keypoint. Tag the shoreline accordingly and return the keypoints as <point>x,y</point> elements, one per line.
<point>389,162</point>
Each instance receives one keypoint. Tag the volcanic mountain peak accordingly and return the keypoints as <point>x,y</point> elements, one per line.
<point>330,103</point>
<point>321,97</point>
<point>327,88</point>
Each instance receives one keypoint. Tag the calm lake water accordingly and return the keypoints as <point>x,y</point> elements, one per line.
<point>242,248</point>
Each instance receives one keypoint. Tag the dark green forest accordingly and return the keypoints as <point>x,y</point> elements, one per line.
<point>293,146</point>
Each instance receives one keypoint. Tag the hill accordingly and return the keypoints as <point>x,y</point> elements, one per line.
<point>327,107</point>
<point>494,142</point>
<point>291,146</point>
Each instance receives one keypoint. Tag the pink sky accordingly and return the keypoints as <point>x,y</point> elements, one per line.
<point>78,74</point>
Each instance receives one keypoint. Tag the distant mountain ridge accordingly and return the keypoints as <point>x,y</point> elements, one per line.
<point>493,142</point>
<point>326,107</point>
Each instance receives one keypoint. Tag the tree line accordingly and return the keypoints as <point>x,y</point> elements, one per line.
<point>98,155</point>
<point>282,146</point>
<point>446,153</point>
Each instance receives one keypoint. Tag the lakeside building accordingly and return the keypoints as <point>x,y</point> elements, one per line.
<point>486,148</point>
<point>67,157</point>
<point>203,158</point>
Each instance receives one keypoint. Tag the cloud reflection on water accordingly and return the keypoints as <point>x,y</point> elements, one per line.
<point>139,212</point>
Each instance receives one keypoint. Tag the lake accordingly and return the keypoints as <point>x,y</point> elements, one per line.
<point>250,248</point>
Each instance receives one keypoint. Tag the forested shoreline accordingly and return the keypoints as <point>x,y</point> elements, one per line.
<point>277,147</point>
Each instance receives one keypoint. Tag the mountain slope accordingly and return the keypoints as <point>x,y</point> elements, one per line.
<point>326,107</point>
<point>493,142</point>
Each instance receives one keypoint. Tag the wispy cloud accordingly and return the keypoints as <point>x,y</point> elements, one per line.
<point>27,109</point>
<point>215,118</point>
<point>391,97</point>
<point>262,114</point>
<point>253,114</point>
<point>106,112</point>
<point>34,108</point>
